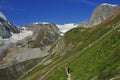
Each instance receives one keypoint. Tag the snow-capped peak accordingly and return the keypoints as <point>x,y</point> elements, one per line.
<point>40,23</point>
<point>2,16</point>
<point>109,4</point>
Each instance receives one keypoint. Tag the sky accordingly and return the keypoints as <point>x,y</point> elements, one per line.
<point>22,12</point>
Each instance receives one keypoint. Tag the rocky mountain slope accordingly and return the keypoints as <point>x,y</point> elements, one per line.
<point>6,28</point>
<point>29,51</point>
<point>100,13</point>
<point>44,34</point>
<point>35,46</point>
<point>95,54</point>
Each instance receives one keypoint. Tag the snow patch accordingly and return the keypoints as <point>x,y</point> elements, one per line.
<point>66,27</point>
<point>2,16</point>
<point>16,37</point>
<point>109,4</point>
<point>41,23</point>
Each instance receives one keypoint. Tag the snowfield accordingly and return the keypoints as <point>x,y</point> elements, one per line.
<point>66,27</point>
<point>5,43</point>
<point>16,37</point>
<point>22,35</point>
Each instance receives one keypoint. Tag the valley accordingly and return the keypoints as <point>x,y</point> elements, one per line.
<point>47,51</point>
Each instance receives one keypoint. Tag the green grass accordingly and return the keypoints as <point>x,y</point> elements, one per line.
<point>61,76</point>
<point>96,62</point>
<point>82,37</point>
<point>32,72</point>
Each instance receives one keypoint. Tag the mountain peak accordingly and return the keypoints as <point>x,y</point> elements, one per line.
<point>100,13</point>
<point>3,16</point>
<point>109,4</point>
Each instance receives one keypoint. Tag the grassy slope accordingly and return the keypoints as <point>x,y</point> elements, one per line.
<point>82,37</point>
<point>99,61</point>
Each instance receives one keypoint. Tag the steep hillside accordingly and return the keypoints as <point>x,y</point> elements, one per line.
<point>95,54</point>
<point>80,37</point>
<point>99,60</point>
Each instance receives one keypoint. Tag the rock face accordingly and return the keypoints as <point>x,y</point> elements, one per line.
<point>6,28</point>
<point>26,53</point>
<point>36,46</point>
<point>60,47</point>
<point>99,14</point>
<point>44,34</point>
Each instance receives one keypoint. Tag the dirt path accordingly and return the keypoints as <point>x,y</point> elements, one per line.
<point>68,74</point>
<point>115,78</point>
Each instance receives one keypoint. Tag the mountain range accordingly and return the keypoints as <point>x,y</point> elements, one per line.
<point>37,51</point>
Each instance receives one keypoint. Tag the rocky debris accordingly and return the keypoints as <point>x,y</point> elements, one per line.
<point>17,55</point>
